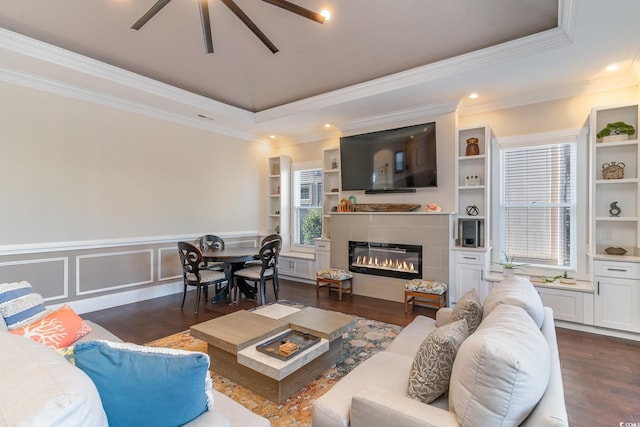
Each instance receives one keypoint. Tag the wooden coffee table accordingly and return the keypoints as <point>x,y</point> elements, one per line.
<point>232,340</point>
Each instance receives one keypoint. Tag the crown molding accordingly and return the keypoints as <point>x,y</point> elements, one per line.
<point>398,117</point>
<point>73,61</point>
<point>548,94</point>
<point>32,81</point>
<point>505,52</point>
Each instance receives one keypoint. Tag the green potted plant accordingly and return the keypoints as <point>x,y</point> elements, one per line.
<point>617,131</point>
<point>509,267</point>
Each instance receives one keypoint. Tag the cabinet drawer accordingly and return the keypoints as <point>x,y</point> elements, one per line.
<point>470,258</point>
<point>322,246</point>
<point>622,269</point>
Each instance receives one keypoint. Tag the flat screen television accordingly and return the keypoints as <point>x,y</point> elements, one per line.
<point>393,160</point>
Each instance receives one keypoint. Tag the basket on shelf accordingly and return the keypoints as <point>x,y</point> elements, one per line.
<point>613,170</point>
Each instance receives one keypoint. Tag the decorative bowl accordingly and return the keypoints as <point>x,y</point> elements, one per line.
<point>615,251</point>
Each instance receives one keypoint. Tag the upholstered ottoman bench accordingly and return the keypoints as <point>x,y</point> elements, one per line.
<point>336,279</point>
<point>430,293</point>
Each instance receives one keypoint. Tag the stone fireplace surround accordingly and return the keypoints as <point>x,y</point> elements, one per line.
<point>432,231</point>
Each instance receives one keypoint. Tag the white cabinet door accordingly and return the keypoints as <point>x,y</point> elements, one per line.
<point>566,305</point>
<point>323,254</point>
<point>469,273</point>
<point>296,267</point>
<point>616,303</point>
<point>469,276</point>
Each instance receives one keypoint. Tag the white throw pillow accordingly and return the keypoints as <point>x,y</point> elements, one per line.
<point>519,292</point>
<point>501,371</point>
<point>40,388</point>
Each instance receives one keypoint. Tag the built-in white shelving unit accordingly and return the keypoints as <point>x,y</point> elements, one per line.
<point>330,186</point>
<point>608,229</point>
<point>278,189</point>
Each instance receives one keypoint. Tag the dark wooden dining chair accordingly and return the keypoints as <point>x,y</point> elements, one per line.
<point>211,241</point>
<point>260,274</point>
<point>194,275</point>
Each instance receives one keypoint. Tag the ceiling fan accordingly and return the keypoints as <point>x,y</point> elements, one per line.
<point>206,23</point>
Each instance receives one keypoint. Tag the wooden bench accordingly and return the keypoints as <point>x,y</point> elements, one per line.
<point>335,279</point>
<point>428,293</point>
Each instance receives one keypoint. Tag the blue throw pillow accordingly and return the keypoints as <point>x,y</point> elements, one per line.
<point>19,305</point>
<point>147,386</point>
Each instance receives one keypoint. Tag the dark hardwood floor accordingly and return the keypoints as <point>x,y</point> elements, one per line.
<point>601,375</point>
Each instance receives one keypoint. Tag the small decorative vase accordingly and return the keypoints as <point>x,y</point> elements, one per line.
<point>508,272</point>
<point>473,149</point>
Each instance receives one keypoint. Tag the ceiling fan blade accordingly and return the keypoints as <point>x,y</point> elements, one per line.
<point>149,14</point>
<point>298,10</point>
<point>206,25</point>
<point>249,23</point>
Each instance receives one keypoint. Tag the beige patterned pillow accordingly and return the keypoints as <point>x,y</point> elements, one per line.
<point>468,307</point>
<point>431,369</point>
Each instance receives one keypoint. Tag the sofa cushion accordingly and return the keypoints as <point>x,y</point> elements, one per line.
<point>501,371</point>
<point>19,305</point>
<point>435,287</point>
<point>411,337</point>
<point>40,388</point>
<point>147,385</point>
<point>385,370</point>
<point>468,307</point>
<point>517,291</point>
<point>431,369</point>
<point>57,329</point>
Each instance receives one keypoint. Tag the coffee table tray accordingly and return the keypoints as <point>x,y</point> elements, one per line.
<point>301,339</point>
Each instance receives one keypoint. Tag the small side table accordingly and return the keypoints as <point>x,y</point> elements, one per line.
<point>430,293</point>
<point>335,279</point>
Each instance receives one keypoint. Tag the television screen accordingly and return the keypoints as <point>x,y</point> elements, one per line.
<point>390,160</point>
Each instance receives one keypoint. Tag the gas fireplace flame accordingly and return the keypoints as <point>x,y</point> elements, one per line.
<point>385,264</point>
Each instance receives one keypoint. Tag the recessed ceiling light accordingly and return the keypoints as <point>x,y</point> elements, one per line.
<point>612,67</point>
<point>327,125</point>
<point>326,14</point>
<point>272,136</point>
<point>473,95</point>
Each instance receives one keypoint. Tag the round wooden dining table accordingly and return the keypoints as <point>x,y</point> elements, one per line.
<point>235,258</point>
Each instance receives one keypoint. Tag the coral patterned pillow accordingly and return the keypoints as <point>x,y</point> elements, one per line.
<point>57,329</point>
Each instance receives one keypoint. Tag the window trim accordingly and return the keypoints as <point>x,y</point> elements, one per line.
<point>577,135</point>
<point>315,164</point>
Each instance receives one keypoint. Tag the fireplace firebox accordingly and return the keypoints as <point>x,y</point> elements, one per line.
<point>386,259</point>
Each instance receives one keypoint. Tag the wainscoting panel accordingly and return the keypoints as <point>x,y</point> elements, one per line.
<point>113,270</point>
<point>48,276</point>
<point>106,273</point>
<point>169,263</point>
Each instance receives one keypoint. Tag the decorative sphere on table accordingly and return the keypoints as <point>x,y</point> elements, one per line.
<point>472,210</point>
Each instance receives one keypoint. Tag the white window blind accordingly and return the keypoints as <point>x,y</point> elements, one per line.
<point>538,204</point>
<point>307,206</point>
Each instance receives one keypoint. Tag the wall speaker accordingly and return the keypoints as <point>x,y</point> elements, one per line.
<point>470,233</point>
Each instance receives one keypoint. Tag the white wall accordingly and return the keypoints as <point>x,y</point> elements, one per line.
<point>73,171</point>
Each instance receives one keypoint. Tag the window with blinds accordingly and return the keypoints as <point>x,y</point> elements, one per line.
<point>538,204</point>
<point>306,206</point>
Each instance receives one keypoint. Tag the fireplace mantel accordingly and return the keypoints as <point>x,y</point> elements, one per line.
<point>432,230</point>
<point>391,213</point>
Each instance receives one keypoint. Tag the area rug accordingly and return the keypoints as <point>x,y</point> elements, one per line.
<point>367,338</point>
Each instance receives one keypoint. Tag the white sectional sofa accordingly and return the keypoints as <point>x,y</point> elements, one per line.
<point>495,373</point>
<point>39,387</point>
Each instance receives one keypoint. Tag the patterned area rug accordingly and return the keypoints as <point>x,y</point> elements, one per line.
<point>367,338</point>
